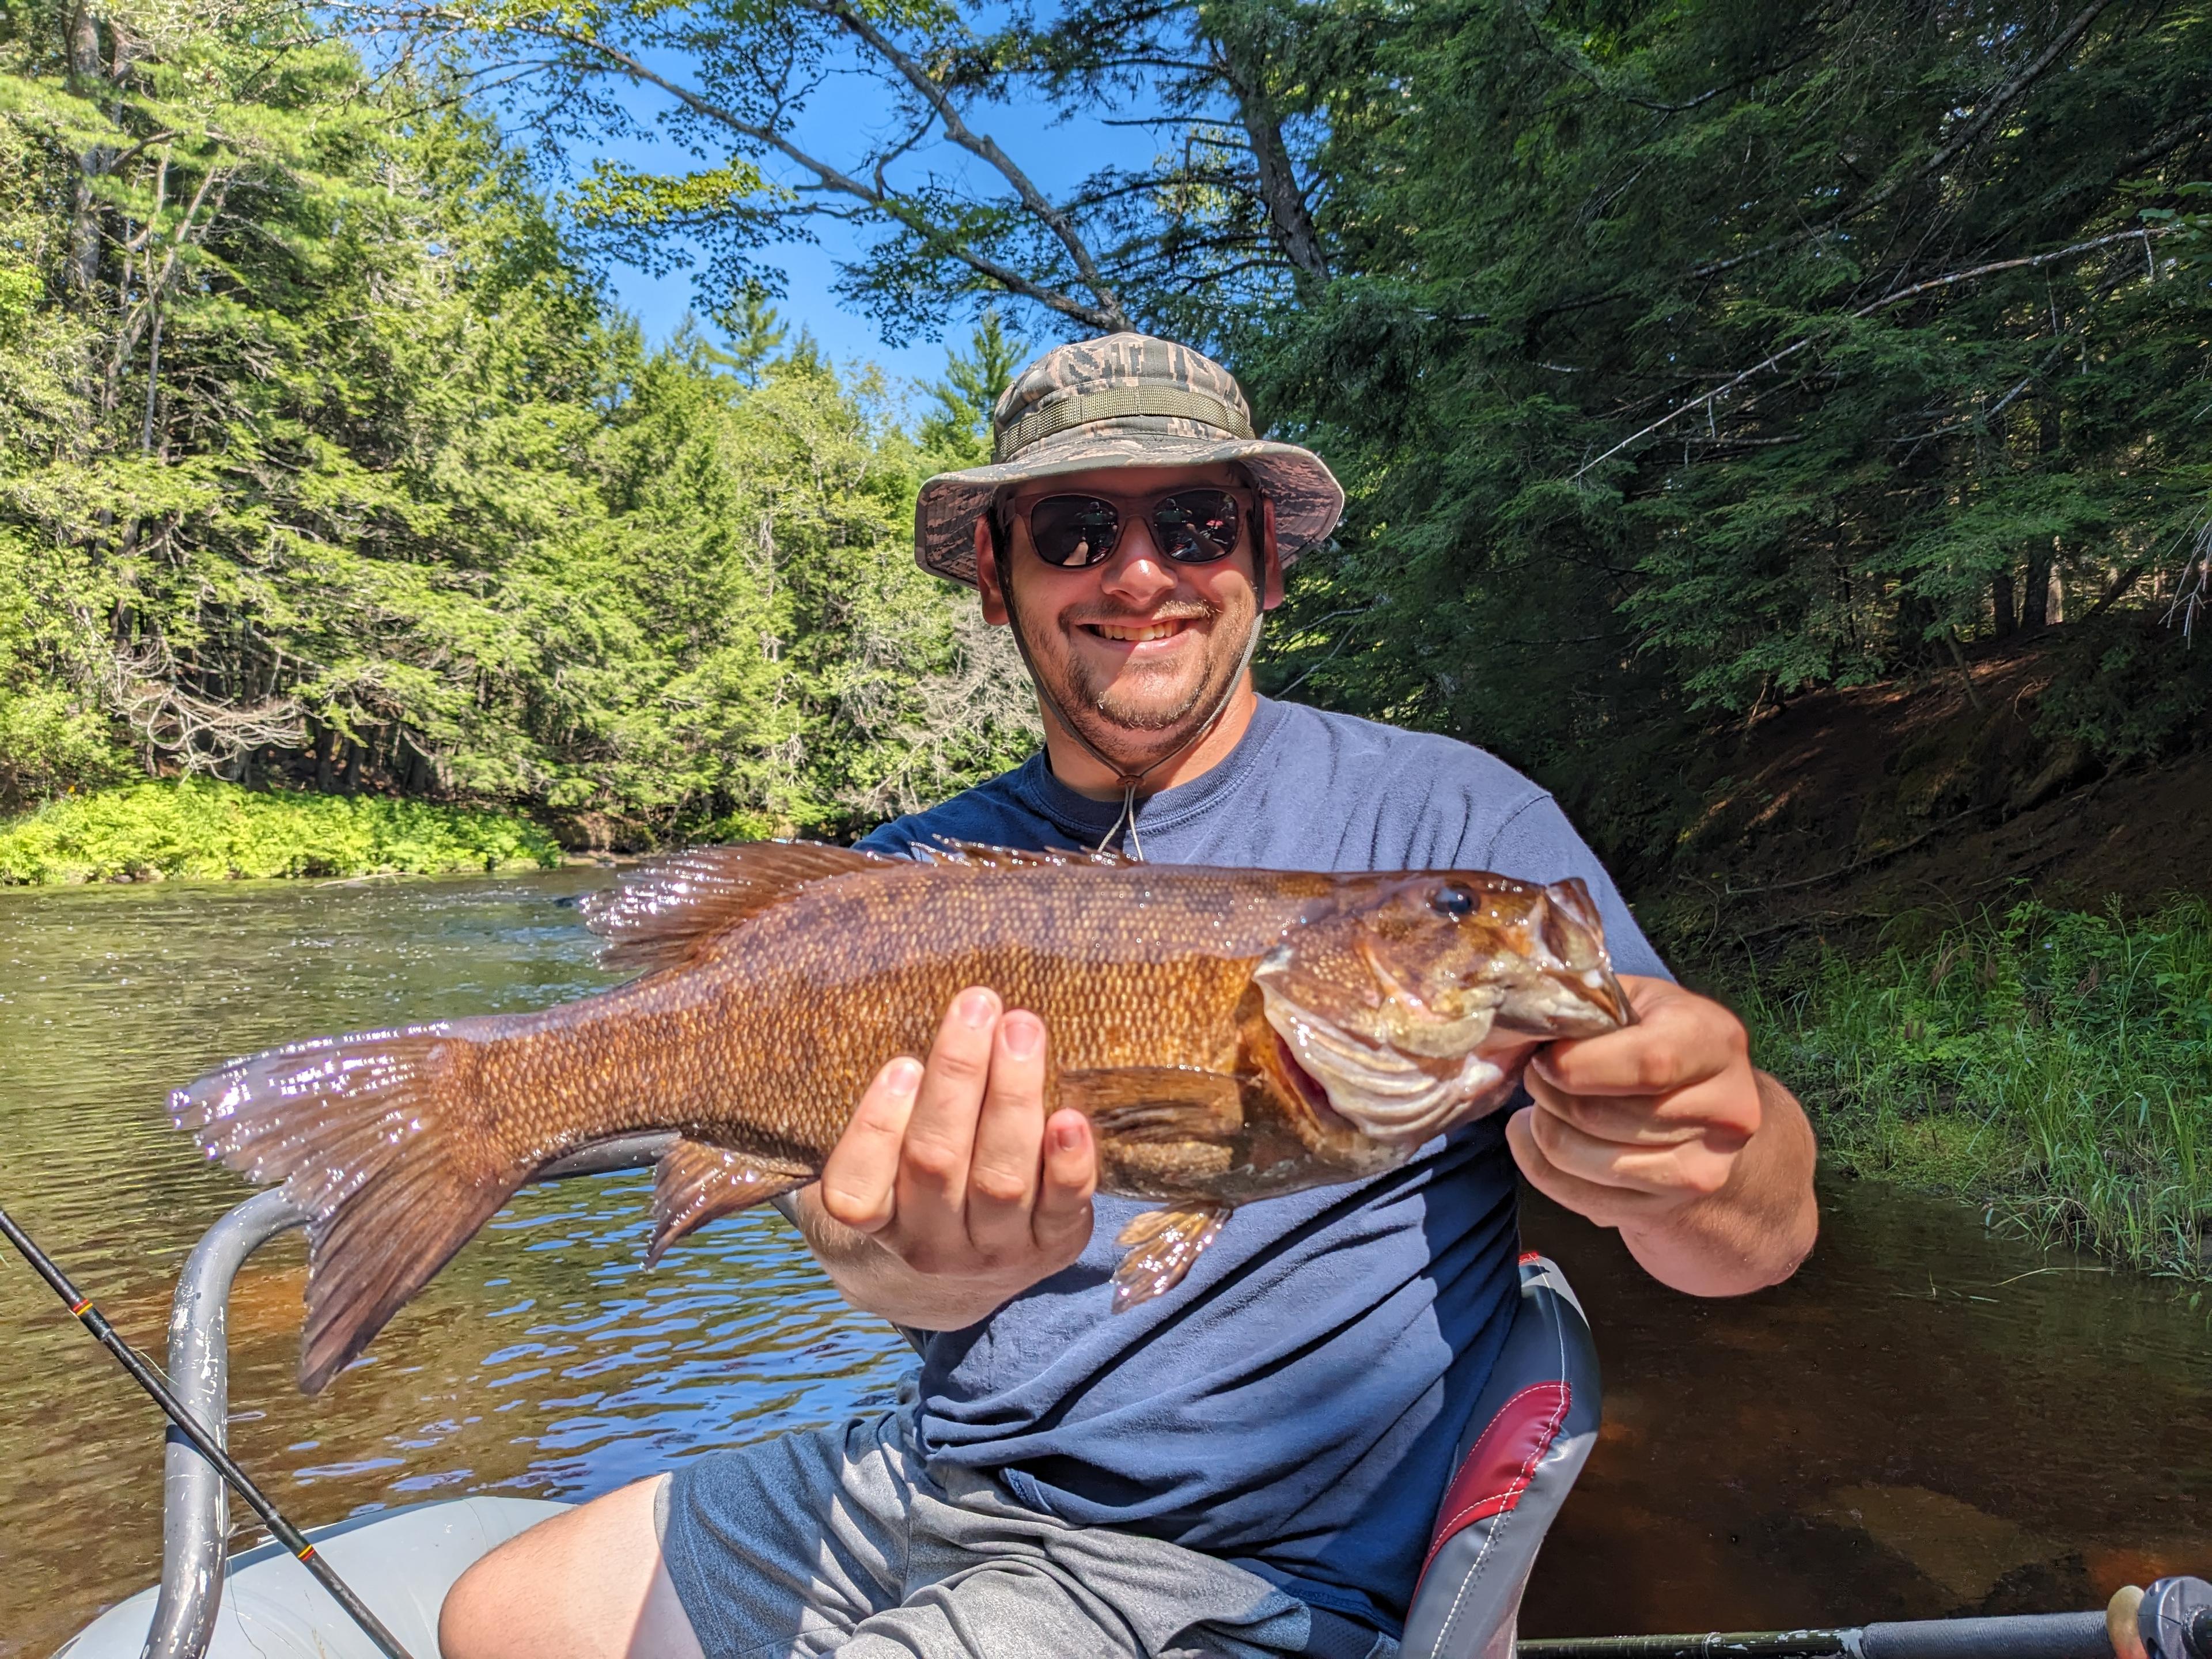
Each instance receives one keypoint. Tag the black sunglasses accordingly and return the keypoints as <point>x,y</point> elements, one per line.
<point>1191,526</point>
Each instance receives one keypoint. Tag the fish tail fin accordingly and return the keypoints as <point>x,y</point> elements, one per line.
<point>385,1141</point>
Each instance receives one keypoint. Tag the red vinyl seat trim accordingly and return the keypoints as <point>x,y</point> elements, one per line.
<point>1503,1463</point>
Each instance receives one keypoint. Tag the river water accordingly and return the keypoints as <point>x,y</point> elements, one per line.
<point>1928,1420</point>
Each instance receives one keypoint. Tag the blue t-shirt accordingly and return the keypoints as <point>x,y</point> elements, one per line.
<point>1293,1404</point>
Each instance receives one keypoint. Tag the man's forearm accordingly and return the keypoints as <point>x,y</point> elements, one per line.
<point>876,1281</point>
<point>1755,1230</point>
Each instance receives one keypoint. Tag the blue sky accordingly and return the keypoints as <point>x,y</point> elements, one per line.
<point>1057,154</point>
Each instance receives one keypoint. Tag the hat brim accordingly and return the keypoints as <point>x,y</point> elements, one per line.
<point>1308,500</point>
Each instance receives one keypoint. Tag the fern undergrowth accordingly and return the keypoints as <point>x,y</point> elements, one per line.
<point>197,829</point>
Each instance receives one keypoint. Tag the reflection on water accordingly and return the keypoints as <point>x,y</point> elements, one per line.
<point>1924,1422</point>
<point>1911,1427</point>
<point>545,1361</point>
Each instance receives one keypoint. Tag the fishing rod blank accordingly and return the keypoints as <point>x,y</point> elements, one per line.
<point>2171,1621</point>
<point>2048,1636</point>
<point>152,1381</point>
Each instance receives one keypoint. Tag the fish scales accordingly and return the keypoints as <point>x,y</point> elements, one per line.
<point>1231,1035</point>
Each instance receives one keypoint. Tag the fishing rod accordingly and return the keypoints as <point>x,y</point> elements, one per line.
<point>2172,1619</point>
<point>154,1384</point>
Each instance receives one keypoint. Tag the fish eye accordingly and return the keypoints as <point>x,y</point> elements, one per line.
<point>1452,902</point>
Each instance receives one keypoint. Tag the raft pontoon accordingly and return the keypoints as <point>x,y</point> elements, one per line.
<point>1524,1443</point>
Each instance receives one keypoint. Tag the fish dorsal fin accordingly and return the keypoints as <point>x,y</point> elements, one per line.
<point>695,1183</point>
<point>979,856</point>
<point>658,913</point>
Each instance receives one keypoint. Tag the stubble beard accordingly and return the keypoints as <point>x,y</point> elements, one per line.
<point>1112,707</point>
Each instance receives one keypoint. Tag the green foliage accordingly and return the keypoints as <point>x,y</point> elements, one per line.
<point>198,829</point>
<point>2127,695</point>
<point>957,434</point>
<point>322,460</point>
<point>1890,362</point>
<point>2055,1065</point>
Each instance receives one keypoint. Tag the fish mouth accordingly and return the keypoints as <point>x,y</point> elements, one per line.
<point>1389,1097</point>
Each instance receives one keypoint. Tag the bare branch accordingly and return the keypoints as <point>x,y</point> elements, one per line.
<point>938,238</point>
<point>985,148</point>
<point>1897,298</point>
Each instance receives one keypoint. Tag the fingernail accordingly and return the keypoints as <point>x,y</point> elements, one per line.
<point>977,1008</point>
<point>1024,1037</point>
<point>1068,1136</point>
<point>903,1076</point>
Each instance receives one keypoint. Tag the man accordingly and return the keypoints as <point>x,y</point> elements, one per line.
<point>1249,1464</point>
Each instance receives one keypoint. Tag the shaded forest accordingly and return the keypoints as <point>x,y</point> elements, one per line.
<point>1682,362</point>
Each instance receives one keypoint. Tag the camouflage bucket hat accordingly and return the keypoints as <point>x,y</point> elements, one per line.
<point>1122,400</point>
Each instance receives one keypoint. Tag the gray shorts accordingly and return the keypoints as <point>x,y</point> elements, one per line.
<point>838,1540</point>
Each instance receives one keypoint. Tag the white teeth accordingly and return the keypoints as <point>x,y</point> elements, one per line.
<point>1156,631</point>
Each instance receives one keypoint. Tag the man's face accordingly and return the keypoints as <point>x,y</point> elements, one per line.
<point>1139,649</point>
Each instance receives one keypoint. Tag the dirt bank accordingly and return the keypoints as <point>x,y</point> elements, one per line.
<point>1949,793</point>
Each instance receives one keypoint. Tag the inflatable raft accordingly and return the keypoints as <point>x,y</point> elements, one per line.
<point>1523,1443</point>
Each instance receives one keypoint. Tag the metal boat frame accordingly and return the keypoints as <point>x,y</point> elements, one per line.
<point>195,1510</point>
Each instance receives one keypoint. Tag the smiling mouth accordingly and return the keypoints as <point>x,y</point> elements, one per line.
<point>1135,632</point>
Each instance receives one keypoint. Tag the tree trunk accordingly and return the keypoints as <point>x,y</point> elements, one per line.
<point>1243,66</point>
<point>326,778</point>
<point>2001,611</point>
<point>2035,598</point>
<point>84,66</point>
<point>1910,639</point>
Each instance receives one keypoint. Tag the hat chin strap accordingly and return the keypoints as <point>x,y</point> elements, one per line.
<point>1129,780</point>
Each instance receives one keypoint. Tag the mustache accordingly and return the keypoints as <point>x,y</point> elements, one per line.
<point>1180,611</point>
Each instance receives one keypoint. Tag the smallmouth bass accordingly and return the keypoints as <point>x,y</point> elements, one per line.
<point>1231,1035</point>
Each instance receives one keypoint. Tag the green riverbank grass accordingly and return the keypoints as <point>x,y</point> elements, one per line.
<point>2052,1066</point>
<point>199,829</point>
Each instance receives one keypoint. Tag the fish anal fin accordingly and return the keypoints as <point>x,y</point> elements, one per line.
<point>981,855</point>
<point>1156,1102</point>
<point>695,1183</point>
<point>1162,1246</point>
<point>658,913</point>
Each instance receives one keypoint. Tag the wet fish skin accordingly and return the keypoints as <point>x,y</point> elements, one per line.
<point>779,977</point>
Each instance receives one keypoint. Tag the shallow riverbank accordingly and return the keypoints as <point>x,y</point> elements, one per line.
<point>2054,1067</point>
<point>197,829</point>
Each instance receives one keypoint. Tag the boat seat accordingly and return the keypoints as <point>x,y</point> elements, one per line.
<point>1526,1440</point>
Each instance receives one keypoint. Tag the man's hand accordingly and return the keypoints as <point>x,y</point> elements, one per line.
<point>1665,1131</point>
<point>951,1191</point>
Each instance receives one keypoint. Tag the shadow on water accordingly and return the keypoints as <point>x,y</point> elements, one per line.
<point>1911,1427</point>
<point>1926,1421</point>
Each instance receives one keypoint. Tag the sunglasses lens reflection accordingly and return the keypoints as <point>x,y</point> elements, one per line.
<point>1197,527</point>
<point>1074,530</point>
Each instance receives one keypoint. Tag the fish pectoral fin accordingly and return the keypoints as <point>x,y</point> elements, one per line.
<point>658,913</point>
<point>695,1183</point>
<point>1162,1245</point>
<point>1156,1102</point>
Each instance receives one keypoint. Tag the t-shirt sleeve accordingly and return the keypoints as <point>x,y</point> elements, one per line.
<point>894,839</point>
<point>1537,843</point>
